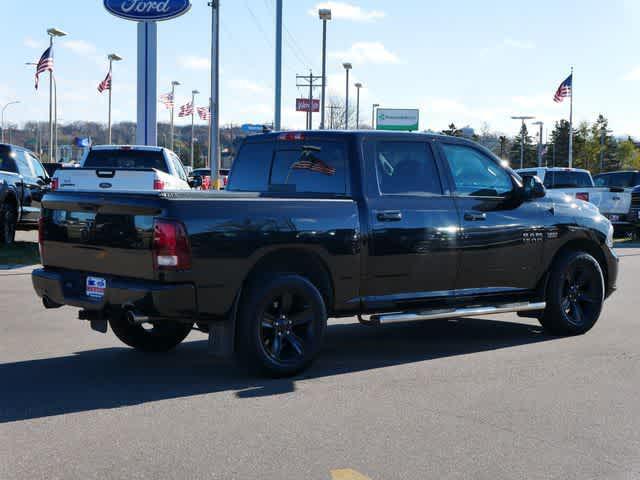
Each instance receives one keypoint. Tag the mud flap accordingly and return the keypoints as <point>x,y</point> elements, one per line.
<point>99,325</point>
<point>221,338</point>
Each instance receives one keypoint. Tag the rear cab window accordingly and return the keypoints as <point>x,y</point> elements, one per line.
<point>126,159</point>
<point>567,179</point>
<point>621,180</point>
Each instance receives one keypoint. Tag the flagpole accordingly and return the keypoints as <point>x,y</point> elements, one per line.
<point>571,123</point>
<point>193,111</point>
<point>110,88</point>
<point>50,106</point>
<point>173,106</point>
<point>209,139</point>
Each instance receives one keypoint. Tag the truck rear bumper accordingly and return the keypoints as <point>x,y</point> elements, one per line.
<point>67,287</point>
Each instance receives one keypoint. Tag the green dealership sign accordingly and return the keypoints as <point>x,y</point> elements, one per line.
<point>398,119</point>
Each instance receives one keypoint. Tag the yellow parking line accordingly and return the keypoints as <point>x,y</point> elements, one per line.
<point>347,474</point>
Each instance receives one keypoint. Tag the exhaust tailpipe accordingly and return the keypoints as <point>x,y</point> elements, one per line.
<point>135,318</point>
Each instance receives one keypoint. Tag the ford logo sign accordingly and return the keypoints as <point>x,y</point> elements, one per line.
<point>105,185</point>
<point>147,10</point>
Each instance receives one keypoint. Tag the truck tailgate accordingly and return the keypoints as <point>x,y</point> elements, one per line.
<point>106,179</point>
<point>107,233</point>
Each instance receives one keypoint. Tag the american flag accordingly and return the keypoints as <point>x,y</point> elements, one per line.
<point>167,100</point>
<point>315,165</point>
<point>44,64</point>
<point>564,90</point>
<point>105,84</point>
<point>204,113</point>
<point>186,110</point>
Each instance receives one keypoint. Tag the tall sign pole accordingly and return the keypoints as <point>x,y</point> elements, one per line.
<point>146,128</point>
<point>214,118</point>
<point>147,14</point>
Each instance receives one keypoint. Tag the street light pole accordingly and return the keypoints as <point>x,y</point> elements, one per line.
<point>3,109</point>
<point>193,111</point>
<point>324,14</point>
<point>214,98</point>
<point>52,32</point>
<point>522,118</point>
<point>358,86</point>
<point>174,84</point>
<point>539,150</point>
<point>113,57</point>
<point>347,67</point>
<point>373,115</point>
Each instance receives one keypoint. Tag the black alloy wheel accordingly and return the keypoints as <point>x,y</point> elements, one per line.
<point>575,295</point>
<point>281,325</point>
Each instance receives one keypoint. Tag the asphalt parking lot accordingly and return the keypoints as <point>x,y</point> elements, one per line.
<point>485,398</point>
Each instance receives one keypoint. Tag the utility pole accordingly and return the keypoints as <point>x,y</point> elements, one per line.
<point>539,151</point>
<point>310,82</point>
<point>522,118</point>
<point>324,14</point>
<point>278,82</point>
<point>214,119</point>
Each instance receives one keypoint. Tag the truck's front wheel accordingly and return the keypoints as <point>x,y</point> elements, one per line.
<point>160,336</point>
<point>575,294</point>
<point>281,324</point>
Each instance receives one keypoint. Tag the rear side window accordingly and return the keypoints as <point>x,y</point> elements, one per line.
<point>315,167</point>
<point>622,180</point>
<point>406,168</point>
<point>23,164</point>
<point>250,172</point>
<point>124,159</point>
<point>567,179</point>
<point>36,166</point>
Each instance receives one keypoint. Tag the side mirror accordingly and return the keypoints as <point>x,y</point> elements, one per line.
<point>532,187</point>
<point>195,182</point>
<point>45,180</point>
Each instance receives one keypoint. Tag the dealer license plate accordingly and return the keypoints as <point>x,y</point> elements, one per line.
<point>95,287</point>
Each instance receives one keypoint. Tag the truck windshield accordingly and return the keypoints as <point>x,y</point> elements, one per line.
<point>567,179</point>
<point>125,159</point>
<point>622,180</point>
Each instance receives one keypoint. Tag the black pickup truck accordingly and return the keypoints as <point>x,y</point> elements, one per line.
<point>23,182</point>
<point>389,227</point>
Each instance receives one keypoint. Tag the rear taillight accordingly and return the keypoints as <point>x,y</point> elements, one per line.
<point>41,237</point>
<point>55,183</point>
<point>171,250</point>
<point>225,180</point>
<point>158,184</point>
<point>582,196</point>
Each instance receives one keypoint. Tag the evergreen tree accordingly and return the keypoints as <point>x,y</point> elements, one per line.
<point>530,151</point>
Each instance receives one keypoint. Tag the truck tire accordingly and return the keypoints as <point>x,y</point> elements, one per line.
<point>281,325</point>
<point>575,294</point>
<point>160,337</point>
<point>8,219</point>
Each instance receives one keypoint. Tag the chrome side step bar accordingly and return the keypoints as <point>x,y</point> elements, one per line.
<point>456,312</point>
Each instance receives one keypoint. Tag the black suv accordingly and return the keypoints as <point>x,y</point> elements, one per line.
<point>23,182</point>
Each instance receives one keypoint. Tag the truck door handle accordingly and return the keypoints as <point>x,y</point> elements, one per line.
<point>474,217</point>
<point>389,216</point>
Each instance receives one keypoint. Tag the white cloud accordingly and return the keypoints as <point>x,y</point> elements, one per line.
<point>248,86</point>
<point>524,45</point>
<point>366,52</point>
<point>633,74</point>
<point>79,47</point>
<point>33,43</point>
<point>194,62</point>
<point>347,11</point>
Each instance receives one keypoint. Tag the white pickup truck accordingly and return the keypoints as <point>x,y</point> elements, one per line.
<point>124,168</point>
<point>574,182</point>
<point>617,209</point>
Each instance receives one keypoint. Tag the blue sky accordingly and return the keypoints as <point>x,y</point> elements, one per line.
<point>471,63</point>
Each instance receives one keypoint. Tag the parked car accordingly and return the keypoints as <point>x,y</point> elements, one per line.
<point>201,176</point>
<point>387,226</point>
<point>23,181</point>
<point>124,168</point>
<point>619,185</point>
